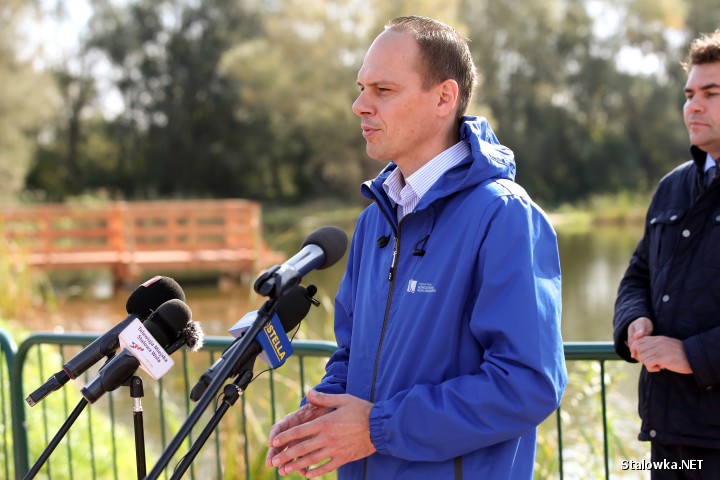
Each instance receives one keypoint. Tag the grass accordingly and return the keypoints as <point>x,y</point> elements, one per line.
<point>93,456</point>
<point>284,227</point>
<point>621,209</point>
<point>25,291</point>
<point>284,224</point>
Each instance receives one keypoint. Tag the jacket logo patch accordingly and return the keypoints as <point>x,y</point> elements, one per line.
<point>420,287</point>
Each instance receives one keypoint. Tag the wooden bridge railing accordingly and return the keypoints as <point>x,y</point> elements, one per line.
<point>129,237</point>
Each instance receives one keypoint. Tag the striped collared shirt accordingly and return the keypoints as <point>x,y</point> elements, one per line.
<point>405,193</point>
<point>709,162</point>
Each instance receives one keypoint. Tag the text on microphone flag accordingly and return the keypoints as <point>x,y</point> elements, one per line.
<point>273,339</point>
<point>153,358</point>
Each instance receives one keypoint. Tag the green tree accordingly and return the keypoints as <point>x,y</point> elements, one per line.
<point>578,120</point>
<point>300,76</point>
<point>27,100</point>
<point>701,16</point>
<point>253,99</point>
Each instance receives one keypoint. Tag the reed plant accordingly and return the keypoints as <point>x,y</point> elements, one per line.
<point>584,440</point>
<point>22,289</point>
<point>619,209</point>
<point>94,455</point>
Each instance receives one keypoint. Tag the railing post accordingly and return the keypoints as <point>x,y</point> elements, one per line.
<point>120,241</point>
<point>603,397</point>
<point>9,349</point>
<point>21,452</point>
<point>44,231</point>
<point>231,218</point>
<point>558,418</point>
<point>256,226</point>
<point>116,227</point>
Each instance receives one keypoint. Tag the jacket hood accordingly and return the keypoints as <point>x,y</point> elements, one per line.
<point>488,159</point>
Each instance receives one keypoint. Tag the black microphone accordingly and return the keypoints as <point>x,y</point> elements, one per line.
<point>321,249</point>
<point>140,304</point>
<point>291,309</point>
<point>170,326</point>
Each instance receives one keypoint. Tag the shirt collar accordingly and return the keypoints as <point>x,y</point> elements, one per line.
<point>709,163</point>
<point>397,187</point>
<point>701,158</point>
<point>426,176</point>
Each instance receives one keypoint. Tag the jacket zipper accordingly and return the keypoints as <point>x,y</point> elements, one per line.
<point>393,264</point>
<point>391,279</point>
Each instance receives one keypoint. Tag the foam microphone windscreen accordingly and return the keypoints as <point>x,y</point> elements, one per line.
<point>168,327</point>
<point>149,295</point>
<point>293,307</point>
<point>332,241</point>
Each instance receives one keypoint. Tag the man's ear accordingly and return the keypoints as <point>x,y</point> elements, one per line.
<point>448,92</point>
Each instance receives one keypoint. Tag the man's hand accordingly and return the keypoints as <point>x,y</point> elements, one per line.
<point>304,414</point>
<point>340,436</point>
<point>662,353</point>
<point>639,328</point>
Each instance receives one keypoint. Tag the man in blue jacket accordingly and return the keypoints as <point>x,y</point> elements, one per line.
<point>448,317</point>
<point>667,314</point>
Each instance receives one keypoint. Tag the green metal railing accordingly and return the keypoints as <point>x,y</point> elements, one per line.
<point>102,437</point>
<point>7,353</point>
<point>162,418</point>
<point>600,352</point>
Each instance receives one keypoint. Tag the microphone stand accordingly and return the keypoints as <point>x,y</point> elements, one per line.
<point>231,394</point>
<point>45,455</point>
<point>264,315</point>
<point>136,392</point>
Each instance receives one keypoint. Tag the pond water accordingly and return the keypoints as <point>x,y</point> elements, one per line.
<point>592,264</point>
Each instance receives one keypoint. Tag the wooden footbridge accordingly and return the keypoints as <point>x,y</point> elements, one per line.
<point>132,237</point>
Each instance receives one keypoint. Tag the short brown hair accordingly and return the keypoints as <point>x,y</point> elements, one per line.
<point>704,49</point>
<point>444,53</point>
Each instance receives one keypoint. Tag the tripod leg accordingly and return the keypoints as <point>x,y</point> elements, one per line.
<point>56,439</point>
<point>139,442</point>
<point>231,393</point>
<point>136,392</point>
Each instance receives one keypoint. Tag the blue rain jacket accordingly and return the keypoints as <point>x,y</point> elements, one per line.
<point>452,328</point>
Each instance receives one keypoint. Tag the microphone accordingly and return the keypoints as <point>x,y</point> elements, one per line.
<point>291,309</point>
<point>170,327</point>
<point>321,249</point>
<point>140,304</point>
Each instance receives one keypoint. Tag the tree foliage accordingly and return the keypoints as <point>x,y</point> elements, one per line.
<point>229,98</point>
<point>26,100</point>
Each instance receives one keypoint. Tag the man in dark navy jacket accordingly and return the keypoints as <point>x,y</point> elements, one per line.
<point>667,314</point>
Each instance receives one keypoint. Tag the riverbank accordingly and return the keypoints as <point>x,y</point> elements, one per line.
<point>285,224</point>
<point>34,299</point>
<point>619,210</point>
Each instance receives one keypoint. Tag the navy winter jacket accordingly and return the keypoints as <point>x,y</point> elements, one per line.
<point>674,279</point>
<point>452,329</point>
